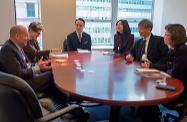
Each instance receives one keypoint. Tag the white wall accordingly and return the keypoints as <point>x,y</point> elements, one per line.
<point>169,11</point>
<point>174,11</point>
<point>7,19</point>
<point>58,17</point>
<point>157,17</point>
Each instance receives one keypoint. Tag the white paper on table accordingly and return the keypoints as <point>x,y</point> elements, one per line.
<point>83,51</point>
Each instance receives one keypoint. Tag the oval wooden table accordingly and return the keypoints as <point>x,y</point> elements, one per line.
<point>109,79</point>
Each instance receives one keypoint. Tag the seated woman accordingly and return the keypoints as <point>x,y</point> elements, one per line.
<point>176,66</point>
<point>32,49</point>
<point>175,38</point>
<point>123,39</point>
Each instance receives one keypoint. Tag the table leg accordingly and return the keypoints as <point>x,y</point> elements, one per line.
<point>115,113</point>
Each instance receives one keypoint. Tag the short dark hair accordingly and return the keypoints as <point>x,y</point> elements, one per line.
<point>177,33</point>
<point>81,19</point>
<point>35,26</point>
<point>146,24</point>
<point>126,28</point>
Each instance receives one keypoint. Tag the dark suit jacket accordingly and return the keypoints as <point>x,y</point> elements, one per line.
<point>33,52</point>
<point>156,51</point>
<point>124,42</point>
<point>176,64</point>
<point>73,42</point>
<point>12,61</point>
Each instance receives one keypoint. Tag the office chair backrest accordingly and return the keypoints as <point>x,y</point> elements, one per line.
<point>18,102</point>
<point>1,46</point>
<point>65,45</point>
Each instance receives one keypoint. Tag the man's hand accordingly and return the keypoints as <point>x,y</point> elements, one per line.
<point>44,65</point>
<point>129,58</point>
<point>146,64</point>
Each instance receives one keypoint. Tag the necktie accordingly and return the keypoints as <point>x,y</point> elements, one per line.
<point>24,55</point>
<point>79,37</point>
<point>143,46</point>
<point>144,52</point>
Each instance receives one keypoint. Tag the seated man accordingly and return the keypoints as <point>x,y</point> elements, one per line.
<point>79,39</point>
<point>152,51</point>
<point>150,48</point>
<point>32,49</point>
<point>13,61</point>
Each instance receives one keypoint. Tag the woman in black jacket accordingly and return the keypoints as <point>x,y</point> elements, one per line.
<point>123,39</point>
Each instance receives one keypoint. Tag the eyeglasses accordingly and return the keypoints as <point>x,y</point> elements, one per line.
<point>166,34</point>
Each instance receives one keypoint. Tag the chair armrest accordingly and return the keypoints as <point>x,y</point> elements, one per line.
<point>57,114</point>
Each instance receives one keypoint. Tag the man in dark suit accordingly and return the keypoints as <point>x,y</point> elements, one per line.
<point>13,61</point>
<point>150,49</point>
<point>79,39</point>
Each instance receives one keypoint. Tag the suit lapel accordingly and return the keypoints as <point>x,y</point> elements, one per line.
<point>76,37</point>
<point>151,43</point>
<point>22,61</point>
<point>82,39</point>
<point>36,45</point>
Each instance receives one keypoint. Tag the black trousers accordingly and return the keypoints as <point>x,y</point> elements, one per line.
<point>41,81</point>
<point>149,113</point>
<point>44,82</point>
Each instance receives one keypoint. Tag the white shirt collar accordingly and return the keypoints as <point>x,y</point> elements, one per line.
<point>78,34</point>
<point>16,44</point>
<point>148,38</point>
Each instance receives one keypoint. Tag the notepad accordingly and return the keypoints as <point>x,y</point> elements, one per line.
<point>148,70</point>
<point>151,73</point>
<point>107,53</point>
<point>60,55</point>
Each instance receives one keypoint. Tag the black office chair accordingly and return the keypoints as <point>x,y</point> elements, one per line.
<point>179,106</point>
<point>65,45</point>
<point>183,120</point>
<point>84,103</point>
<point>18,103</point>
<point>38,94</point>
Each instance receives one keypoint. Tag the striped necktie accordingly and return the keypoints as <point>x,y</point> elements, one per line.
<point>24,55</point>
<point>79,37</point>
<point>143,46</point>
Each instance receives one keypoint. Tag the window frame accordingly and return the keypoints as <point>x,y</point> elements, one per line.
<point>114,18</point>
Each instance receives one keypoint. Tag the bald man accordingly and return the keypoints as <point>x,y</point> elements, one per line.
<point>13,61</point>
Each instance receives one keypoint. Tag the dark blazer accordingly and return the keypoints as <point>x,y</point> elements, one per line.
<point>33,52</point>
<point>176,64</point>
<point>73,42</point>
<point>12,61</point>
<point>123,42</point>
<point>156,51</point>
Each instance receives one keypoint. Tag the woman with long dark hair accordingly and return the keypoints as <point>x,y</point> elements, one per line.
<point>123,39</point>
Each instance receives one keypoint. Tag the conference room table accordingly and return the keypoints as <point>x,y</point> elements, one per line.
<point>109,79</point>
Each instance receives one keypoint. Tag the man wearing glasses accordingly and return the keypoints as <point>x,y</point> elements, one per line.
<point>32,49</point>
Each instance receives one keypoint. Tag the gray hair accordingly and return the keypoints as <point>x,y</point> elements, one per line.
<point>146,23</point>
